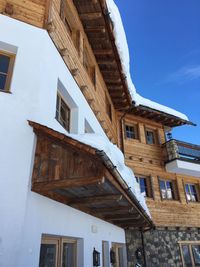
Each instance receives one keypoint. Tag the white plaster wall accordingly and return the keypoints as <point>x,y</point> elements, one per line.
<point>183,167</point>
<point>24,214</point>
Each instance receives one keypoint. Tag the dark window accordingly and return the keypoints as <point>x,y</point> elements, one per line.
<point>131,131</point>
<point>6,68</point>
<point>145,185</point>
<point>150,137</point>
<point>63,113</point>
<point>69,254</point>
<point>48,255</point>
<point>191,192</point>
<point>58,251</point>
<point>167,189</point>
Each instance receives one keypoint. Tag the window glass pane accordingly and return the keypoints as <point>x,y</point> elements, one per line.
<point>150,137</point>
<point>2,81</point>
<point>163,189</point>
<point>186,256</point>
<point>169,190</point>
<point>130,132</point>
<point>196,254</point>
<point>187,191</point>
<point>193,193</point>
<point>69,252</point>
<point>143,186</point>
<point>4,63</point>
<point>47,255</point>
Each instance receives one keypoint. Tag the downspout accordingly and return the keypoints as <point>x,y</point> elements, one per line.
<point>143,247</point>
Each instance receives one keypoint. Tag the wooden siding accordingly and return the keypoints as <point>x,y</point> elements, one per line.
<point>149,160</point>
<point>29,11</point>
<point>94,93</point>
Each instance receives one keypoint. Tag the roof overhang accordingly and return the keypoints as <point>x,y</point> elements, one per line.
<point>99,29</point>
<point>83,177</point>
<point>159,116</point>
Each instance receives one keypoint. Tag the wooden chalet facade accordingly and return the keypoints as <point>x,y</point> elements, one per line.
<point>84,178</point>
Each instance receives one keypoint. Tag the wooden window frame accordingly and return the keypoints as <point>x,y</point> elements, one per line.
<point>58,112</point>
<point>9,73</point>
<point>59,241</point>
<point>136,130</point>
<point>149,188</point>
<point>155,135</point>
<point>115,248</point>
<point>197,192</point>
<point>175,193</point>
<point>189,244</point>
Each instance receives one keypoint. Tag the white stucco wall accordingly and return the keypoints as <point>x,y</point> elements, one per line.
<point>24,214</point>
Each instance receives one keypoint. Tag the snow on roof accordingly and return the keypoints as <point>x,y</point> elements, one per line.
<point>123,50</point>
<point>102,143</point>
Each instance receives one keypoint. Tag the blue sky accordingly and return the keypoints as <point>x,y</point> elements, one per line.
<point>164,44</point>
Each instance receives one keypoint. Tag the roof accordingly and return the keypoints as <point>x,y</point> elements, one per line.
<point>104,28</point>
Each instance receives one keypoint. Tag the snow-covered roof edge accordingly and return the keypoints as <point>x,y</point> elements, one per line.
<point>123,51</point>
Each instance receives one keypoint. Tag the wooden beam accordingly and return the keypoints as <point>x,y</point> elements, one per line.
<point>113,81</point>
<point>103,51</point>
<point>122,217</point>
<point>112,210</point>
<point>91,16</point>
<point>99,28</point>
<point>105,61</point>
<point>96,199</point>
<point>67,183</point>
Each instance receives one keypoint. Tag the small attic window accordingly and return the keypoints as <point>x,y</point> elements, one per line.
<point>63,112</point>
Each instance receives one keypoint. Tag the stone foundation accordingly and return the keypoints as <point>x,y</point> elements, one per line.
<point>160,245</point>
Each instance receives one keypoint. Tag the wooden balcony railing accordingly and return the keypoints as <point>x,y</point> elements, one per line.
<point>181,150</point>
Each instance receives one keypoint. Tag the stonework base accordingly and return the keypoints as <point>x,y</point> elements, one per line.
<point>160,245</point>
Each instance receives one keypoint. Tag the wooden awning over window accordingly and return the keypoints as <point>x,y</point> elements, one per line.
<point>82,177</point>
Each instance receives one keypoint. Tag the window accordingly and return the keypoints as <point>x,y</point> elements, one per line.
<point>167,189</point>
<point>119,255</point>
<point>150,136</point>
<point>191,192</point>
<point>58,251</point>
<point>145,185</point>
<point>190,253</point>
<point>6,69</point>
<point>131,131</point>
<point>63,113</point>
<point>64,14</point>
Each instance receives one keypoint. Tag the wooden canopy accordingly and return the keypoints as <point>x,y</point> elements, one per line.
<point>99,29</point>
<point>82,177</point>
<point>159,116</point>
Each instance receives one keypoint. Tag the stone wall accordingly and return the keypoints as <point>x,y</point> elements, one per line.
<point>160,245</point>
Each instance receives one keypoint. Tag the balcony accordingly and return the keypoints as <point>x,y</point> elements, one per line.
<point>182,157</point>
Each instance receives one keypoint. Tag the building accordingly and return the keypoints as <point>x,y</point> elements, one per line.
<point>66,193</point>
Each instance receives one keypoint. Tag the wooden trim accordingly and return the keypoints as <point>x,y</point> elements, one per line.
<point>66,183</point>
<point>9,73</point>
<point>55,241</point>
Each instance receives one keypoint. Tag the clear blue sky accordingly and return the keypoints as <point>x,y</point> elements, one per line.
<point>164,43</point>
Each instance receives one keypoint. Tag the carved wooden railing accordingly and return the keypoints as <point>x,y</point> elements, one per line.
<point>181,150</point>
